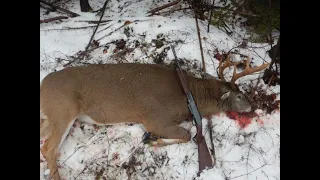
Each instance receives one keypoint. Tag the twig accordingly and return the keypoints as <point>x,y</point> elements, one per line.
<point>255,88</point>
<point>248,159</point>
<point>48,8</point>
<point>105,28</point>
<point>71,28</point>
<point>85,168</point>
<point>94,22</point>
<point>72,14</point>
<point>249,172</point>
<point>133,150</point>
<point>53,19</point>
<point>169,11</point>
<point>65,161</point>
<point>211,140</point>
<point>94,32</point>
<point>272,77</point>
<point>163,7</point>
<point>113,31</point>
<point>97,10</point>
<point>199,37</point>
<point>73,154</point>
<point>126,23</point>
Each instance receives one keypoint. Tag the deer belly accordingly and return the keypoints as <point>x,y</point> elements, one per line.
<point>95,118</point>
<point>87,119</point>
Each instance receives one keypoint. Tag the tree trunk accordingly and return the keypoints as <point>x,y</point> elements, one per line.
<point>85,6</point>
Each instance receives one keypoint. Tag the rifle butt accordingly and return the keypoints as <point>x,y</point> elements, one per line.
<point>205,159</point>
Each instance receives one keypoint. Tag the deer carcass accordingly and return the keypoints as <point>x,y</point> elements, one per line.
<point>119,93</point>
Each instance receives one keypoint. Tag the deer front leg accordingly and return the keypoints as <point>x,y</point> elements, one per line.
<point>172,135</point>
<point>164,124</point>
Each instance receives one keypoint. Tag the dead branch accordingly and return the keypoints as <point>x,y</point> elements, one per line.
<point>71,28</point>
<point>163,7</point>
<point>255,87</point>
<point>114,30</point>
<point>48,8</point>
<point>250,171</point>
<point>125,23</point>
<point>200,43</point>
<point>94,22</point>
<point>53,19</point>
<point>83,53</point>
<point>105,28</point>
<point>169,11</point>
<point>94,32</point>
<point>248,158</point>
<point>72,14</point>
<point>85,168</point>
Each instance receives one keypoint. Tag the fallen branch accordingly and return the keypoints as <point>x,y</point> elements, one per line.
<point>105,28</point>
<point>53,19</point>
<point>48,8</point>
<point>94,22</point>
<point>212,7</point>
<point>169,11</point>
<point>72,14</point>
<point>70,28</point>
<point>249,172</point>
<point>163,7</point>
<point>85,168</point>
<point>126,23</point>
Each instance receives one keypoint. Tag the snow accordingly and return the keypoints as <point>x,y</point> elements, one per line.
<point>116,152</point>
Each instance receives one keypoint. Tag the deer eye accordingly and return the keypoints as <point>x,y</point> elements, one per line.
<point>239,96</point>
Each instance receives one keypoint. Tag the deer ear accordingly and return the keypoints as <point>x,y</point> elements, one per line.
<point>225,95</point>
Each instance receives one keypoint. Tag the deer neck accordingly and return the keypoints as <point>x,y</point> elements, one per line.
<point>207,96</point>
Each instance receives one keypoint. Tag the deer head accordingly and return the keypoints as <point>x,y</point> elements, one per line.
<point>231,95</point>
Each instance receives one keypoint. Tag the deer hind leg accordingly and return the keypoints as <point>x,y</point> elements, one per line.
<point>173,135</point>
<point>55,139</point>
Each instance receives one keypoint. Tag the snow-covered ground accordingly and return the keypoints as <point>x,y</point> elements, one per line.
<point>116,152</point>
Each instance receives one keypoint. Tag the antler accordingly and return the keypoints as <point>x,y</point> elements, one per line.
<point>227,63</point>
<point>248,70</point>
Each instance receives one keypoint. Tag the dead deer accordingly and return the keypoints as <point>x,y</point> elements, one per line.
<point>143,93</point>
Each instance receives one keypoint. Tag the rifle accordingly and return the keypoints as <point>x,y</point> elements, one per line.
<point>203,151</point>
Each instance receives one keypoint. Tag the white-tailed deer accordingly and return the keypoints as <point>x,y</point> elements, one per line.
<point>118,93</point>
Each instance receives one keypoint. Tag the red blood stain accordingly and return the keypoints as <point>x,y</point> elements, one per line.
<point>260,121</point>
<point>242,119</point>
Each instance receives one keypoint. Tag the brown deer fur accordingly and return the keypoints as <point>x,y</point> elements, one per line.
<point>118,93</point>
